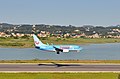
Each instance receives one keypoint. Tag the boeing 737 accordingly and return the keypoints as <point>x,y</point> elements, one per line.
<point>55,48</point>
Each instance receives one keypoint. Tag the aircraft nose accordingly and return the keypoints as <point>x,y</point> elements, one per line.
<point>80,48</point>
<point>77,47</point>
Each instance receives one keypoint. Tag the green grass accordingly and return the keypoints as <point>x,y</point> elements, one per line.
<point>28,42</point>
<point>62,61</point>
<point>59,75</point>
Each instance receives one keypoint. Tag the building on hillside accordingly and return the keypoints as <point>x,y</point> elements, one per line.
<point>96,35</point>
<point>44,34</point>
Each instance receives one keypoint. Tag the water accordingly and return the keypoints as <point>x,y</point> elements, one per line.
<point>90,52</point>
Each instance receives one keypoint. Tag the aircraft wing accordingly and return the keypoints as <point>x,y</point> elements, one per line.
<point>58,50</point>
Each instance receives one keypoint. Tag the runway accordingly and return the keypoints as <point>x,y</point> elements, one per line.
<point>59,67</point>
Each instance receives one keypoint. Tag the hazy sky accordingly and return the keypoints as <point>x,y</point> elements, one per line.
<point>63,12</point>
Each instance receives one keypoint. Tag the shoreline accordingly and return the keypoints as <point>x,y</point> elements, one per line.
<point>55,44</point>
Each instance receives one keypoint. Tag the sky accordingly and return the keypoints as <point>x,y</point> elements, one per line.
<point>60,12</point>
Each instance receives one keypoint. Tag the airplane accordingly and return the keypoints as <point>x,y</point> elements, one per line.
<point>55,48</point>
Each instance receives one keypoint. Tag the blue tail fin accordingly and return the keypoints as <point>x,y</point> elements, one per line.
<point>37,41</point>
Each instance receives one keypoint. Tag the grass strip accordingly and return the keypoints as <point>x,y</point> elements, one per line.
<point>28,42</point>
<point>59,75</point>
<point>62,61</point>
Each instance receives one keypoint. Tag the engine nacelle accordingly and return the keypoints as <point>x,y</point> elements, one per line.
<point>65,50</point>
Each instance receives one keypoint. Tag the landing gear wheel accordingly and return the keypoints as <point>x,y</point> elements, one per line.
<point>58,52</point>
